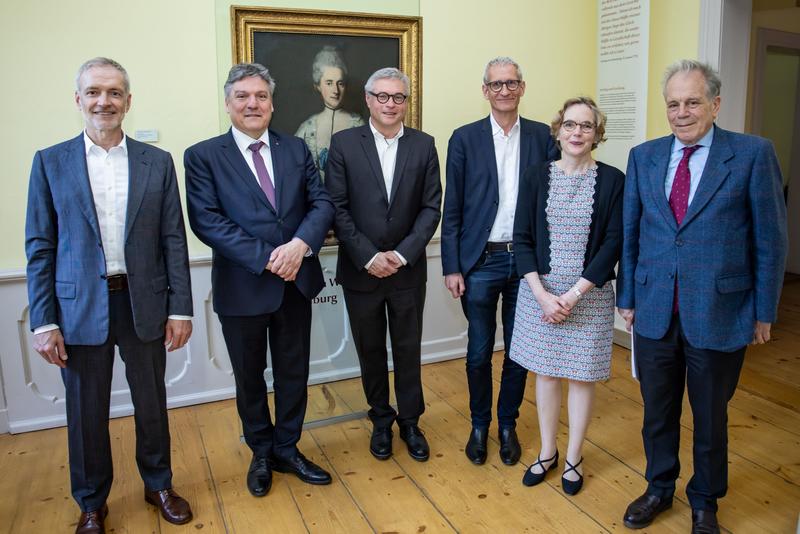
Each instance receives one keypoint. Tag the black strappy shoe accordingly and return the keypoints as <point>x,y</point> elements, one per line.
<point>571,487</point>
<point>531,478</point>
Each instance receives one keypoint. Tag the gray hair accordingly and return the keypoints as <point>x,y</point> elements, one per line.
<point>241,71</point>
<point>327,57</point>
<point>103,62</point>
<point>501,61</point>
<point>388,73</point>
<point>685,66</point>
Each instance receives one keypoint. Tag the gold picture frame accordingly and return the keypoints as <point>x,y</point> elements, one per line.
<point>251,26</point>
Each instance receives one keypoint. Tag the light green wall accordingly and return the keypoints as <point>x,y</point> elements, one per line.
<point>778,101</point>
<point>177,51</point>
<point>674,30</point>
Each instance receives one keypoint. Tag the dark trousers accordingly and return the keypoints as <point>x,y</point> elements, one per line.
<point>368,312</point>
<point>710,378</point>
<point>87,379</point>
<point>287,332</point>
<point>494,276</point>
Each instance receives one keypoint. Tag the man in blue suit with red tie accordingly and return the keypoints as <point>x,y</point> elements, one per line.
<point>485,160</point>
<point>700,278</point>
<point>255,197</point>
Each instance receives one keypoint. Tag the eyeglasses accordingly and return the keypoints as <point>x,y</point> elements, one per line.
<point>586,127</point>
<point>397,98</point>
<point>497,85</point>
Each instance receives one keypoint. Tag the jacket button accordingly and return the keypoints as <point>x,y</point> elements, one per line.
<point>678,242</point>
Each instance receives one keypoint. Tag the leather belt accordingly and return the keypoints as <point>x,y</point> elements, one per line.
<point>500,246</point>
<point>117,282</point>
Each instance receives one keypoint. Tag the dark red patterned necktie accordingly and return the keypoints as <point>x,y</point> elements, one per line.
<point>679,196</point>
<point>679,199</point>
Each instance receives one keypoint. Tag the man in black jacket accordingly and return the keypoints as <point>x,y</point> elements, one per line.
<point>384,180</point>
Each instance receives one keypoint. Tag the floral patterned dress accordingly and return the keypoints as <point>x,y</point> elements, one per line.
<point>578,348</point>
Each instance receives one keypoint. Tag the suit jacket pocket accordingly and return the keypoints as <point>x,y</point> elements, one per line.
<point>160,284</point>
<point>65,290</point>
<point>731,283</point>
<point>640,275</point>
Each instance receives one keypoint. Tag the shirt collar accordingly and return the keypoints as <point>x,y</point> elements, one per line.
<point>497,129</point>
<point>379,136</point>
<point>243,141</point>
<point>88,144</point>
<point>704,141</point>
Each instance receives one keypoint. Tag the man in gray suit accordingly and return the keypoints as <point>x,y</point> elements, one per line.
<point>108,266</point>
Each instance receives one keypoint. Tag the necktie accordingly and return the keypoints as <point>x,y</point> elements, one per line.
<point>679,200</point>
<point>263,174</point>
<point>679,196</point>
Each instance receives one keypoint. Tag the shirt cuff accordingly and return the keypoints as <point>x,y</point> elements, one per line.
<point>45,328</point>
<point>180,317</point>
<point>402,259</point>
<point>369,263</point>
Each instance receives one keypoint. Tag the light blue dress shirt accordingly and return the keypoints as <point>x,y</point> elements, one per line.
<point>696,163</point>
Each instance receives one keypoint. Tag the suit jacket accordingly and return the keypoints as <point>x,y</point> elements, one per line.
<point>230,213</point>
<point>532,232</point>
<point>728,255</point>
<point>66,264</point>
<point>471,197</point>
<point>367,220</point>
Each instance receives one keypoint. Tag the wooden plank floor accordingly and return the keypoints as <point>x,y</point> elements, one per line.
<point>447,493</point>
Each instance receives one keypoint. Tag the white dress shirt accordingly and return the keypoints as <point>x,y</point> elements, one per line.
<point>506,154</point>
<point>108,179</point>
<point>387,155</point>
<point>243,141</point>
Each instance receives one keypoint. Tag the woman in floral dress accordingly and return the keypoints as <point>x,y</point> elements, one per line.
<point>567,240</point>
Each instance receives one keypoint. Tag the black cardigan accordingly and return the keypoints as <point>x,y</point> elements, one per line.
<point>532,236</point>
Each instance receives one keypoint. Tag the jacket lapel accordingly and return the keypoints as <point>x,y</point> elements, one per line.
<point>403,148</point>
<point>525,141</point>
<point>714,173</point>
<point>368,144</point>
<point>139,167</point>
<point>659,163</point>
<point>487,147</point>
<point>277,168</point>
<point>231,152</point>
<point>74,160</point>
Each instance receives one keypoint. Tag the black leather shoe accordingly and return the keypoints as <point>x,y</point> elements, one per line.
<point>476,445</point>
<point>704,522</point>
<point>572,487</point>
<point>92,522</point>
<point>642,511</point>
<point>303,468</point>
<point>531,479</point>
<point>510,451</point>
<point>259,476</point>
<point>417,444</point>
<point>380,445</point>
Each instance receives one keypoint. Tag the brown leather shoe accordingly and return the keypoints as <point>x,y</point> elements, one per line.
<point>92,522</point>
<point>173,507</point>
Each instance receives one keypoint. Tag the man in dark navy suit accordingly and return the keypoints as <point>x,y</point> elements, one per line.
<point>255,197</point>
<point>484,162</point>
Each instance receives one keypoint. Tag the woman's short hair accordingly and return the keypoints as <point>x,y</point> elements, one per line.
<point>327,57</point>
<point>599,119</point>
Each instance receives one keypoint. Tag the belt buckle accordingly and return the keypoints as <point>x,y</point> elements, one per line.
<point>509,247</point>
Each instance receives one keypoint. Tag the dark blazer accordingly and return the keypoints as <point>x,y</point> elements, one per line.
<point>66,263</point>
<point>471,197</point>
<point>728,254</point>
<point>366,221</point>
<point>532,235</point>
<point>229,212</point>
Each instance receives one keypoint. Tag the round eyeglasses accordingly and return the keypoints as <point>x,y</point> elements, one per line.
<point>586,127</point>
<point>397,98</point>
<point>497,85</point>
